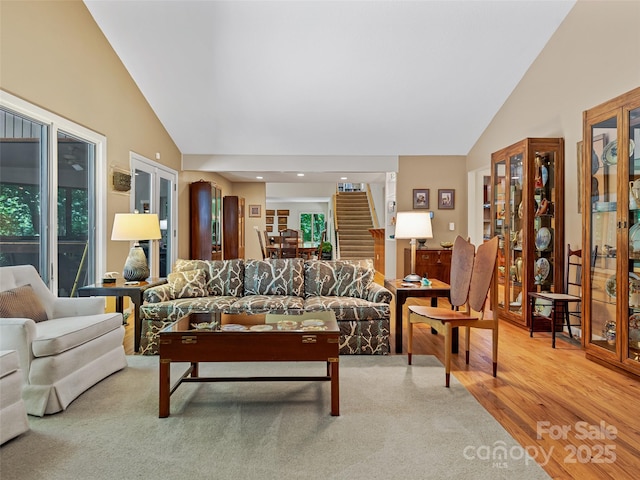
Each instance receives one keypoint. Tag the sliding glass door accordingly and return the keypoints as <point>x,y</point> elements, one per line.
<point>47,199</point>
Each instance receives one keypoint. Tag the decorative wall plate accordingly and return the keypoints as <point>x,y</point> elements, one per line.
<point>543,238</point>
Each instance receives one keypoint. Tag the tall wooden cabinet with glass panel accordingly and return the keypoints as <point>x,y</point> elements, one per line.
<point>611,220</point>
<point>527,210</point>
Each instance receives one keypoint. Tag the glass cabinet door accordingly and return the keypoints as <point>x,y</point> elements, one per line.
<point>632,350</point>
<point>605,290</point>
<point>516,232</point>
<point>500,226</point>
<point>544,223</point>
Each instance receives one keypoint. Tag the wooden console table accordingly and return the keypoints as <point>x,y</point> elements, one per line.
<point>434,263</point>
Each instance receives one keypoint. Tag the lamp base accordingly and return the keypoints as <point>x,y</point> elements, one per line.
<point>135,267</point>
<point>414,277</point>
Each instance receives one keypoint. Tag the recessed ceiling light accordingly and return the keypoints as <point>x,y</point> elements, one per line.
<point>343,178</point>
<point>259,177</point>
<point>301,174</point>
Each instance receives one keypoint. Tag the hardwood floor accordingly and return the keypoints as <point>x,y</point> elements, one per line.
<point>560,387</point>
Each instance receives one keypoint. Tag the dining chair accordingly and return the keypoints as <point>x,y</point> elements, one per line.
<point>263,248</point>
<point>562,307</point>
<point>289,243</point>
<point>471,292</point>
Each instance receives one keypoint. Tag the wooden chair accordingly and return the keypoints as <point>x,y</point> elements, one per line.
<point>263,248</point>
<point>289,243</point>
<point>470,293</point>
<point>565,306</point>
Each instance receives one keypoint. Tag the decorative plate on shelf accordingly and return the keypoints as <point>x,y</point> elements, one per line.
<point>543,267</point>
<point>543,238</point>
<point>610,285</point>
<point>595,163</point>
<point>543,307</point>
<point>610,152</point>
<point>521,210</point>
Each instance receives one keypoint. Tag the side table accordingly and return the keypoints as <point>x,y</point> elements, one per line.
<point>437,289</point>
<point>120,290</point>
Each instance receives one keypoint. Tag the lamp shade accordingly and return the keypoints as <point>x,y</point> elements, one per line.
<point>413,225</point>
<point>136,226</point>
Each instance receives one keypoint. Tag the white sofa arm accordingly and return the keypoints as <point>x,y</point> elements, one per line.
<point>75,307</point>
<point>18,334</point>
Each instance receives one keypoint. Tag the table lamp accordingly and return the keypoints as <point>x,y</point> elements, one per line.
<point>135,227</point>
<point>413,225</point>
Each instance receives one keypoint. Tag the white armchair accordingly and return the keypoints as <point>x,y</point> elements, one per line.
<point>61,357</point>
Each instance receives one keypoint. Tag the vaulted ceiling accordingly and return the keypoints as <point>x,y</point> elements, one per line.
<point>313,79</point>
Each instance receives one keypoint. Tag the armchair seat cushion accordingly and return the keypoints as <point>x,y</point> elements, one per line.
<point>61,334</point>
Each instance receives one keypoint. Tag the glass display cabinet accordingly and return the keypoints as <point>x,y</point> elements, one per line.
<point>527,209</point>
<point>611,219</point>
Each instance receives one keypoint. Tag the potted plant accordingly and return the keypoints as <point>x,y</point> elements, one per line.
<point>325,250</point>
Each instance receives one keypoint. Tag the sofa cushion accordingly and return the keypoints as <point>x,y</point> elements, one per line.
<point>274,277</point>
<point>22,302</point>
<point>267,303</point>
<point>188,283</point>
<point>174,309</point>
<point>224,277</point>
<point>61,334</point>
<point>348,308</point>
<point>337,277</point>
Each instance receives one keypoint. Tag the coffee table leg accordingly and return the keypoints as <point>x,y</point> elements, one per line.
<point>164,388</point>
<point>335,387</point>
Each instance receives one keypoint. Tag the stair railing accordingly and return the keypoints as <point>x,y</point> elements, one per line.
<point>372,208</point>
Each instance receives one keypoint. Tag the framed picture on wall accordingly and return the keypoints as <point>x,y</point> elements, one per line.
<point>420,198</point>
<point>446,199</point>
<point>254,210</point>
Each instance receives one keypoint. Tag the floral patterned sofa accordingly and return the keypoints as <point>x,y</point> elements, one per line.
<point>283,286</point>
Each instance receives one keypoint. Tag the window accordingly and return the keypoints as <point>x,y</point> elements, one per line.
<point>154,192</point>
<point>49,169</point>
<point>312,226</point>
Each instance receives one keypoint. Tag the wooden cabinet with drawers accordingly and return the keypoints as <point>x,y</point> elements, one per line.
<point>430,263</point>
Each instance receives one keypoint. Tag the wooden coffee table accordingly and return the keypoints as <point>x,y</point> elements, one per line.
<point>260,342</point>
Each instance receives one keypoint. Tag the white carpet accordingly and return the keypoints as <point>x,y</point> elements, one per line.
<point>396,422</point>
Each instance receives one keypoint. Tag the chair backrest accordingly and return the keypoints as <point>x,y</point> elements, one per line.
<point>263,249</point>
<point>16,276</point>
<point>289,243</point>
<point>573,274</point>
<point>483,267</point>
<point>461,266</point>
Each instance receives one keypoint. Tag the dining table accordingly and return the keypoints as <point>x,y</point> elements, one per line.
<point>306,250</point>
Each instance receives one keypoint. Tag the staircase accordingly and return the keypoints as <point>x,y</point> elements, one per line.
<point>353,217</point>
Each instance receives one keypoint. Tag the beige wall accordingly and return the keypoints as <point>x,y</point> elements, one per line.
<point>433,173</point>
<point>54,56</point>
<point>591,58</point>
